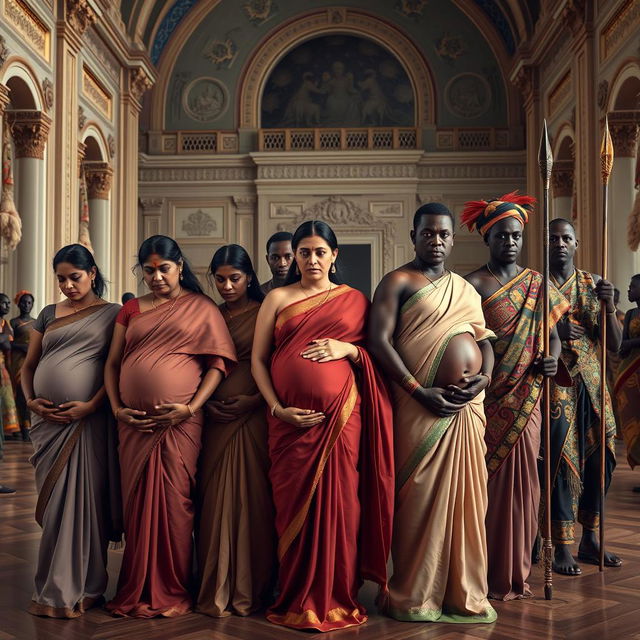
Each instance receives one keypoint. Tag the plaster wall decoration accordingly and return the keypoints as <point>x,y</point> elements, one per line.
<point>47,93</point>
<point>210,174</point>
<point>285,209</point>
<point>198,222</point>
<point>347,216</point>
<point>468,95</point>
<point>139,82</point>
<point>105,57</point>
<point>338,80</point>
<point>4,51</point>
<point>111,145</point>
<point>560,94</point>
<point>221,53</point>
<point>450,47</point>
<point>619,29</point>
<point>96,94</point>
<point>473,171</point>
<point>259,11</point>
<point>411,8</point>
<point>387,209</point>
<point>205,99</point>
<point>80,15</point>
<point>29,26</point>
<point>337,16</point>
<point>319,172</point>
<point>82,119</point>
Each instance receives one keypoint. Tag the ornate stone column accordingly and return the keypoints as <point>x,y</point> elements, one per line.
<point>245,226</point>
<point>562,178</point>
<point>30,131</point>
<point>4,101</point>
<point>74,20</point>
<point>125,215</point>
<point>99,176</point>
<point>623,263</point>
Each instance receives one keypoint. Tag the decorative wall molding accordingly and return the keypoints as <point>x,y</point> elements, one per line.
<point>139,82</point>
<point>82,118</point>
<point>560,93</point>
<point>472,171</point>
<point>197,174</point>
<point>323,21</point>
<point>47,93</point>
<point>4,51</point>
<point>30,130</point>
<point>111,145</point>
<point>333,171</point>
<point>285,209</point>
<point>95,93</point>
<point>29,26</point>
<point>618,30</point>
<point>105,57</point>
<point>245,204</point>
<point>99,176</point>
<point>80,16</point>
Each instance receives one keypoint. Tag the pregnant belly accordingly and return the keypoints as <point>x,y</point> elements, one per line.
<point>462,358</point>
<point>51,383</point>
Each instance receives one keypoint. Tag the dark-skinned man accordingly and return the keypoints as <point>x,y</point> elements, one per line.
<point>513,310</point>
<point>575,410</point>
<point>428,334</point>
<point>279,258</point>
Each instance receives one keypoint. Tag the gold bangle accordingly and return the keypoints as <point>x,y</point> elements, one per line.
<point>487,376</point>
<point>117,411</point>
<point>191,411</point>
<point>273,409</point>
<point>409,384</point>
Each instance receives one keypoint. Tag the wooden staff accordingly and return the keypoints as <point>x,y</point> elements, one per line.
<point>545,162</point>
<point>606,164</point>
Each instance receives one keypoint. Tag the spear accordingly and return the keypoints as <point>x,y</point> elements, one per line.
<point>545,162</point>
<point>606,164</point>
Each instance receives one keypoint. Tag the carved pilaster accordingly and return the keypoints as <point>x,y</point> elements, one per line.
<point>82,150</point>
<point>524,80</point>
<point>30,131</point>
<point>99,176</point>
<point>4,99</point>
<point>562,179</point>
<point>80,15</point>
<point>139,83</point>
<point>625,139</point>
<point>82,119</point>
<point>4,51</point>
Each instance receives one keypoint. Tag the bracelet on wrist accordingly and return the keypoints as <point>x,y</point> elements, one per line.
<point>274,407</point>
<point>191,411</point>
<point>487,376</point>
<point>409,384</point>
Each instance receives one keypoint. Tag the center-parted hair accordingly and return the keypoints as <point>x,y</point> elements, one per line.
<point>81,258</point>
<point>233,255</point>
<point>168,249</point>
<point>307,230</point>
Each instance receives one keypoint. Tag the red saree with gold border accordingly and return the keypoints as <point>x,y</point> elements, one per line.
<point>332,483</point>
<point>167,352</point>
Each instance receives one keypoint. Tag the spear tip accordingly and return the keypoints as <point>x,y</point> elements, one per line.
<point>606,153</point>
<point>545,156</point>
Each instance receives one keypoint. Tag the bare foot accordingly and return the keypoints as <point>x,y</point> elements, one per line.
<point>589,552</point>
<point>563,562</point>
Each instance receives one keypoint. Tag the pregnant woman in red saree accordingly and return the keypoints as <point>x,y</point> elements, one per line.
<point>330,440</point>
<point>170,350</point>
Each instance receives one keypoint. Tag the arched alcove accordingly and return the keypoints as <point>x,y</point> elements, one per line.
<point>20,95</point>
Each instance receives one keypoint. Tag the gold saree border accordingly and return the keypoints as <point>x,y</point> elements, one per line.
<point>308,304</point>
<point>294,527</point>
<point>525,272</point>
<point>54,473</point>
<point>45,610</point>
<point>65,321</point>
<point>421,293</point>
<point>309,618</point>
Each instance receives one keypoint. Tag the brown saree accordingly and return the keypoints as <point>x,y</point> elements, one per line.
<point>76,467</point>
<point>167,352</point>
<point>236,533</point>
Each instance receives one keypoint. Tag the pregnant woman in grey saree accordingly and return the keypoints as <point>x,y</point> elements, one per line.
<point>73,435</point>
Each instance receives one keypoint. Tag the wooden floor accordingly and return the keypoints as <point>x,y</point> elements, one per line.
<point>592,606</point>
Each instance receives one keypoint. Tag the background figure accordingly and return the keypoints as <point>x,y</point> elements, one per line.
<point>126,296</point>
<point>279,258</point>
<point>170,350</point>
<point>613,362</point>
<point>627,387</point>
<point>301,110</point>
<point>235,532</point>
<point>21,325</point>
<point>512,306</point>
<point>74,441</point>
<point>10,424</point>
<point>330,440</point>
<point>428,333</point>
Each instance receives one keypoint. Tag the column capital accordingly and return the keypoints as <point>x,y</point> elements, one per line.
<point>245,203</point>
<point>623,126</point>
<point>79,15</point>
<point>139,82</point>
<point>151,206</point>
<point>99,176</point>
<point>30,131</point>
<point>562,179</point>
<point>524,78</point>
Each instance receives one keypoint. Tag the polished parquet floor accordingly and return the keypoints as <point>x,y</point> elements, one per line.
<point>592,606</point>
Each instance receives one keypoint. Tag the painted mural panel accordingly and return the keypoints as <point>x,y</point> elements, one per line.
<point>338,81</point>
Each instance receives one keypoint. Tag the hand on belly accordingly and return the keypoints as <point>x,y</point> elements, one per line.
<point>461,360</point>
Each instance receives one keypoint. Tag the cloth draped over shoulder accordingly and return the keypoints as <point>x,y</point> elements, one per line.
<point>167,352</point>
<point>332,483</point>
<point>76,465</point>
<point>627,391</point>
<point>514,313</point>
<point>439,546</point>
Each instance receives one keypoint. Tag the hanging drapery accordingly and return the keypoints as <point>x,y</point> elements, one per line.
<point>83,236</point>
<point>10,223</point>
<point>633,226</point>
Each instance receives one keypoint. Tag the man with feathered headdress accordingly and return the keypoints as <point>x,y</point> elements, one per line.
<point>512,303</point>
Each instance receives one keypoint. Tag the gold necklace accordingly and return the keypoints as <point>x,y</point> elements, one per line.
<point>76,310</point>
<point>496,277</point>
<point>173,302</point>
<point>306,295</point>
<point>231,316</point>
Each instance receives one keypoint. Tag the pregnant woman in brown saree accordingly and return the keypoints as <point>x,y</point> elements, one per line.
<point>330,440</point>
<point>73,436</point>
<point>170,350</point>
<point>235,532</point>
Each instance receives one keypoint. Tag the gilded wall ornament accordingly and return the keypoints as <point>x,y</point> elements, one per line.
<point>468,95</point>
<point>140,82</point>
<point>258,11</point>
<point>4,51</point>
<point>47,92</point>
<point>450,47</point>
<point>205,99</point>
<point>220,52</point>
<point>80,15</point>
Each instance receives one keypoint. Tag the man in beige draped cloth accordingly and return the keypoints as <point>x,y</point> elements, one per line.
<point>427,332</point>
